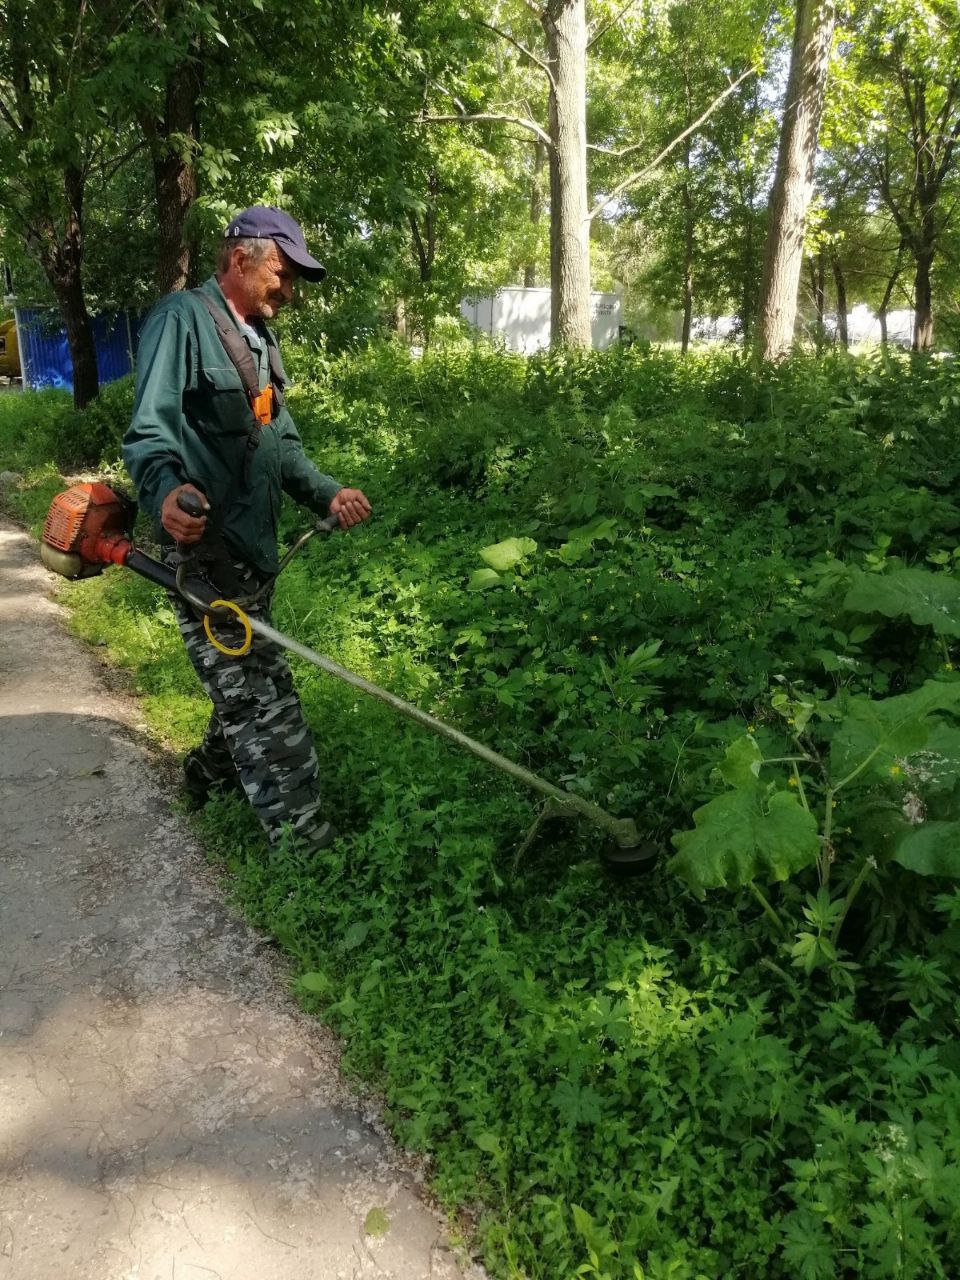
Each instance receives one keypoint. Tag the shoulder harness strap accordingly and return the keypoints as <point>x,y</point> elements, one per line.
<point>234,344</point>
<point>241,357</point>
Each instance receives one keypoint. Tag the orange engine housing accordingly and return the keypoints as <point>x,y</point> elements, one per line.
<point>92,522</point>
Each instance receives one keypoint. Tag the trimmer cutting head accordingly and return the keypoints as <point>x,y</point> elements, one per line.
<point>630,859</point>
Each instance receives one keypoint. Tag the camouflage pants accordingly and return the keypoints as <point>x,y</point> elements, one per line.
<point>256,732</point>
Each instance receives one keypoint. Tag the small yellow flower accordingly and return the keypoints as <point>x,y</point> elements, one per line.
<point>584,617</point>
<point>895,771</point>
<point>594,638</point>
<point>792,782</point>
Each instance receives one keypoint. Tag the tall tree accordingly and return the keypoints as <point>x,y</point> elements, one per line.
<point>703,208</point>
<point>793,184</point>
<point>563,60</point>
<point>53,132</point>
<point>910,52</point>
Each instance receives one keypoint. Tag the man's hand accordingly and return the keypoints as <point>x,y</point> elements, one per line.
<point>177,523</point>
<point>351,506</point>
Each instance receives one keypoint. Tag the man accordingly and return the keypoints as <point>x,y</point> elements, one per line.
<point>209,419</point>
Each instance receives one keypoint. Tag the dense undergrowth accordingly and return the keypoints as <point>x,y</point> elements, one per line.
<point>655,581</point>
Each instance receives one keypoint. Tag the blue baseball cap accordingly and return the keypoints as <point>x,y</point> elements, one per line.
<point>264,222</point>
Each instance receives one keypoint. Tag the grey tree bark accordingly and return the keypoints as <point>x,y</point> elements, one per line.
<point>793,183</point>
<point>565,25</point>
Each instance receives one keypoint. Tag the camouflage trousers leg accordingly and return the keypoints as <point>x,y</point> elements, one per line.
<point>257,727</point>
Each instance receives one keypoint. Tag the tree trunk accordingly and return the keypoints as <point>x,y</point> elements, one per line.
<point>62,260</point>
<point>746,296</point>
<point>564,22</point>
<point>839,280</point>
<point>61,257</point>
<point>686,204</point>
<point>793,184</point>
<point>172,140</point>
<point>922,291</point>
<point>425,240</point>
<point>83,352</point>
<point>687,269</point>
<point>818,289</point>
<point>888,292</point>
<point>536,211</point>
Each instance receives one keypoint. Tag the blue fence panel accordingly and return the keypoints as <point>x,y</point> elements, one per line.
<point>45,354</point>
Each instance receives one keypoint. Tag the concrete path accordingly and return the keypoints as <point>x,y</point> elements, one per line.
<point>166,1112</point>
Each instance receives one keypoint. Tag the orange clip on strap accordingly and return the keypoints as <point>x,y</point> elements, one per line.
<point>262,405</point>
<point>244,621</point>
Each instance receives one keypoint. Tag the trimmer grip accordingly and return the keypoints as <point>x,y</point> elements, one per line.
<point>328,524</point>
<point>189,502</point>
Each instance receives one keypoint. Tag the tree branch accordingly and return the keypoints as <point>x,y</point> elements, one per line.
<point>8,115</point>
<point>108,170</point>
<point>488,115</point>
<point>418,245</point>
<point>607,25</point>
<point>647,169</point>
<point>614,151</point>
<point>81,13</point>
<point>544,67</point>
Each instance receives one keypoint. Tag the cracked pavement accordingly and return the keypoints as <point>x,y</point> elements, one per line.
<point>166,1111</point>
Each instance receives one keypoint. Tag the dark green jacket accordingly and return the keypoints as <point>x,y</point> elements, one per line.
<point>191,421</point>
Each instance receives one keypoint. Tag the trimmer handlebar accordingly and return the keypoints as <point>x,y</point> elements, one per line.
<point>189,502</point>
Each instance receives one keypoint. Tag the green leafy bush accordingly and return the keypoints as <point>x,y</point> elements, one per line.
<point>723,604</point>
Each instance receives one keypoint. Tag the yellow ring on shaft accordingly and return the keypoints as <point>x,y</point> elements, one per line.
<point>245,623</point>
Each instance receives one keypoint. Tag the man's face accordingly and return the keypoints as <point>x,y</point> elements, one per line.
<point>268,284</point>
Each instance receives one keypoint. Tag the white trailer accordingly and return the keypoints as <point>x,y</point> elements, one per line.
<point>521,317</point>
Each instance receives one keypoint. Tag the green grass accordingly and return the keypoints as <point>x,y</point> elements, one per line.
<point>614,1079</point>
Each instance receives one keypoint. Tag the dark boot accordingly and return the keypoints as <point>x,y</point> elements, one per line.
<point>201,784</point>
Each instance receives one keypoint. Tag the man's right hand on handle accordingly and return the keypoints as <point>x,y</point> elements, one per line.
<point>180,526</point>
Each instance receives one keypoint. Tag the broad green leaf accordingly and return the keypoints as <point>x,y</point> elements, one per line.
<point>879,734</point>
<point>741,764</point>
<point>579,541</point>
<point>932,849</point>
<point>937,767</point>
<point>583,1221</point>
<point>318,982</point>
<point>504,555</point>
<point>577,1103</point>
<point>355,935</point>
<point>928,599</point>
<point>747,834</point>
<point>481,579</point>
<point>489,1142</point>
<point>600,529</point>
<point>376,1223</point>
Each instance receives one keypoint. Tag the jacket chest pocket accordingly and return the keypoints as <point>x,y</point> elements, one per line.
<point>222,401</point>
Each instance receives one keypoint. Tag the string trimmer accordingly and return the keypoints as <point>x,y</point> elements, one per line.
<point>90,527</point>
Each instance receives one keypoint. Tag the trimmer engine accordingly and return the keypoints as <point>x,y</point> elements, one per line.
<point>87,528</point>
